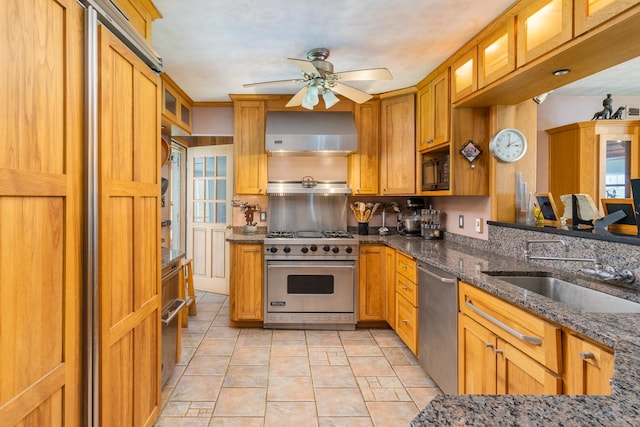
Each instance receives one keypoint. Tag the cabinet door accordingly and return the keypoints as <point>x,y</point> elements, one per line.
<point>390,284</point>
<point>170,102</point>
<point>543,26</point>
<point>589,14</point>
<point>250,159</point>
<point>371,286</point>
<point>464,80</point>
<point>589,367</point>
<point>441,108</point>
<point>397,165</point>
<point>364,165</point>
<point>425,118</point>
<point>245,289</point>
<point>41,200</point>
<point>517,373</point>
<point>407,322</point>
<point>497,54</point>
<point>476,359</point>
<point>129,240</point>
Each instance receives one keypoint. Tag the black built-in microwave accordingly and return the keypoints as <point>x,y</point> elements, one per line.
<point>435,172</point>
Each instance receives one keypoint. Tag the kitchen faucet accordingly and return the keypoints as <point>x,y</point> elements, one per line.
<point>608,274</point>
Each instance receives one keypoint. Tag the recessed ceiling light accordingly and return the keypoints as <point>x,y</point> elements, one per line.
<point>561,72</point>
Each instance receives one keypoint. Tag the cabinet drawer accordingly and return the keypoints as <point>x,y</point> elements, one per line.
<point>530,334</point>
<point>406,266</point>
<point>407,323</point>
<point>407,289</point>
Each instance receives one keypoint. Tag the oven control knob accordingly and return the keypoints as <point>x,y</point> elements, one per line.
<point>304,249</point>
<point>287,249</point>
<point>335,249</point>
<point>348,249</point>
<point>273,249</point>
<point>313,248</point>
<point>326,248</point>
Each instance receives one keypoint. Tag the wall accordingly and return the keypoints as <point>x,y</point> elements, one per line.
<point>212,121</point>
<point>560,110</point>
<point>471,207</point>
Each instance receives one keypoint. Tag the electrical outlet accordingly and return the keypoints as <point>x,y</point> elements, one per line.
<point>263,216</point>
<point>478,225</point>
<point>460,221</point>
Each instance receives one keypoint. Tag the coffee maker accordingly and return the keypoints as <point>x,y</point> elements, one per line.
<point>410,224</point>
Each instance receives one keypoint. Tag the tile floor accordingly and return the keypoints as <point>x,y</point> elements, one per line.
<point>262,377</point>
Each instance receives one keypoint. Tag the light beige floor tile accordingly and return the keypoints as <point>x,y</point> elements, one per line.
<point>175,409</point>
<point>220,321</point>
<point>181,422</point>
<point>387,338</point>
<point>291,414</point>
<point>333,376</point>
<point>198,326</point>
<point>250,356</point>
<point>191,338</point>
<point>364,366</point>
<point>289,348</point>
<point>216,347</point>
<point>362,335</point>
<point>383,389</point>
<point>290,389</point>
<point>353,348</point>
<point>284,366</point>
<point>254,338</point>
<point>207,365</point>
<point>200,409</point>
<point>236,422</point>
<point>175,376</point>
<point>323,339</point>
<point>246,376</point>
<point>399,356</point>
<point>413,376</point>
<point>222,332</point>
<point>288,335</point>
<point>392,414</point>
<point>327,356</point>
<point>205,313</point>
<point>203,388</point>
<point>345,422</point>
<point>186,353</point>
<point>423,395</point>
<point>241,402</point>
<point>340,402</point>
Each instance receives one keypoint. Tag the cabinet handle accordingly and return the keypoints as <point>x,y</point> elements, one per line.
<point>587,355</point>
<point>515,333</point>
<point>404,266</point>
<point>405,321</point>
<point>405,288</point>
<point>488,345</point>
<point>497,351</point>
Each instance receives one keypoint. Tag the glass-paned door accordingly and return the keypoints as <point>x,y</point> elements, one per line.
<point>209,195</point>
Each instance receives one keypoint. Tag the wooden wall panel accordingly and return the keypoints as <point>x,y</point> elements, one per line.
<point>41,169</point>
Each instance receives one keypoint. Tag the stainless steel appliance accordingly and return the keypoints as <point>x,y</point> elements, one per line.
<point>431,223</point>
<point>438,326</point>
<point>435,172</point>
<point>409,225</point>
<point>171,306</point>
<point>310,280</point>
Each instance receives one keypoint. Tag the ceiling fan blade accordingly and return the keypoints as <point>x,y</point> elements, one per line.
<point>297,98</point>
<point>306,66</point>
<point>274,82</point>
<point>352,93</point>
<point>369,74</point>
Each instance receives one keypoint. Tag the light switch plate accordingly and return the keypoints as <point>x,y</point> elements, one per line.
<point>478,225</point>
<point>460,221</point>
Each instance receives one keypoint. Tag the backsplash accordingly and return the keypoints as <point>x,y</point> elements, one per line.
<point>508,241</point>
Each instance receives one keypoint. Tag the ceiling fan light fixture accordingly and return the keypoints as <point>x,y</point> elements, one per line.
<point>311,98</point>
<point>330,98</point>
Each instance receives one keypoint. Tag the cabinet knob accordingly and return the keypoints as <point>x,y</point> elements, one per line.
<point>586,355</point>
<point>405,321</point>
<point>405,288</point>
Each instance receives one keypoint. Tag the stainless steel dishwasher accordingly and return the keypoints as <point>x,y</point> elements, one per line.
<point>438,326</point>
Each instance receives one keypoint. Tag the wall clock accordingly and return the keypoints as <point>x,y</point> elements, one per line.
<point>508,145</point>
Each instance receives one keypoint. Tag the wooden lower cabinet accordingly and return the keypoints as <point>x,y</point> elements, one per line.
<point>517,373</point>
<point>246,284</point>
<point>390,286</point>
<point>406,296</point>
<point>589,367</point>
<point>371,282</point>
<point>407,322</point>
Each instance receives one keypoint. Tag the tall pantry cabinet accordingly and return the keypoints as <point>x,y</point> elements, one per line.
<point>79,219</point>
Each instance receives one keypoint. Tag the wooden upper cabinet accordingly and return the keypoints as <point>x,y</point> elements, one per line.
<point>397,162</point>
<point>176,107</point>
<point>543,26</point>
<point>464,75</point>
<point>250,172</point>
<point>434,112</point>
<point>497,54</point>
<point>365,163</point>
<point>141,14</point>
<point>590,13</point>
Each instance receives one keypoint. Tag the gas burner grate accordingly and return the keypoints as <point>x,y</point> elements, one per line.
<point>280,234</point>
<point>337,234</point>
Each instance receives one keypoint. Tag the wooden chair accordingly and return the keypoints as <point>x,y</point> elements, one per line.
<point>187,291</point>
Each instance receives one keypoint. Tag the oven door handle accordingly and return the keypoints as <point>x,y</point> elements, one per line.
<point>170,316</point>
<point>303,265</point>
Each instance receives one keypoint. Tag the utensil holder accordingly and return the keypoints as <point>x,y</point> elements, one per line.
<point>363,228</point>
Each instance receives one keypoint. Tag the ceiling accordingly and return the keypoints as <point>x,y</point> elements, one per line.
<point>210,48</point>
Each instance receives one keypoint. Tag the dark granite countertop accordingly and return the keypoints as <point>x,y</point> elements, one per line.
<point>170,255</point>
<point>618,331</point>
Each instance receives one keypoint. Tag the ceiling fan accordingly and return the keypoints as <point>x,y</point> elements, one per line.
<point>319,79</point>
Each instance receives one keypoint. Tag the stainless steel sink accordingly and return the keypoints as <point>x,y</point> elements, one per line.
<point>571,294</point>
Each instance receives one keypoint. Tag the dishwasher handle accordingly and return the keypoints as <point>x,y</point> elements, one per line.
<point>515,333</point>
<point>171,314</point>
<point>435,276</point>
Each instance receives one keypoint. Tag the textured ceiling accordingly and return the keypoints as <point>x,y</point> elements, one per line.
<point>212,47</point>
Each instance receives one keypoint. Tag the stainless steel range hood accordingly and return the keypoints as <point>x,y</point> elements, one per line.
<point>321,133</point>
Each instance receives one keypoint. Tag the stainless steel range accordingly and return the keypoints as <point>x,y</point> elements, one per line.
<point>310,279</point>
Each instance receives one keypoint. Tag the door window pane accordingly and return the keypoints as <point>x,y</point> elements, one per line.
<point>211,189</point>
<point>210,169</point>
<point>198,212</point>
<point>198,167</point>
<point>211,213</point>
<point>222,166</point>
<point>222,189</point>
<point>198,189</point>
<point>221,209</point>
